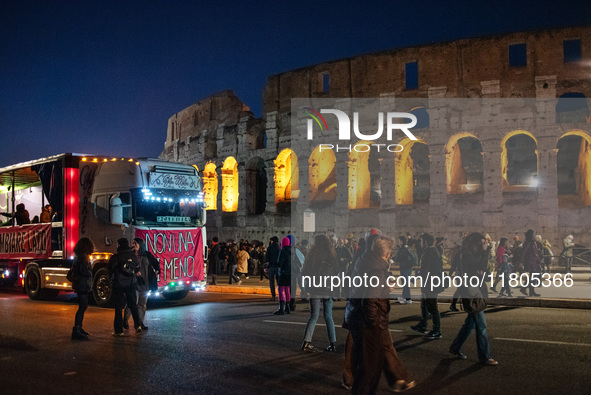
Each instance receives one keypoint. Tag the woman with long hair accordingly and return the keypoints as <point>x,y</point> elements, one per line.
<point>474,263</point>
<point>284,277</point>
<point>321,261</point>
<point>82,283</point>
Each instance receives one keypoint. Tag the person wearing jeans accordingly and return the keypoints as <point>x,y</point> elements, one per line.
<point>473,321</point>
<point>321,261</point>
<point>474,263</point>
<point>315,313</point>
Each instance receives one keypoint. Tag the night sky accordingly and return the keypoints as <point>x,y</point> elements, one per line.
<point>103,77</point>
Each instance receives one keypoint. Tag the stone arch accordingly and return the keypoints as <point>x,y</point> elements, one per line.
<point>464,164</point>
<point>572,107</point>
<point>364,177</point>
<point>412,180</point>
<point>256,186</point>
<point>286,176</point>
<point>573,165</point>
<point>322,175</point>
<point>210,186</point>
<point>230,185</point>
<point>519,159</point>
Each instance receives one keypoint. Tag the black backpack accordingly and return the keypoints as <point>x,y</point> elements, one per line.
<point>72,275</point>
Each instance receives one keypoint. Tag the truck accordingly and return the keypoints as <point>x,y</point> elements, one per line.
<point>103,198</point>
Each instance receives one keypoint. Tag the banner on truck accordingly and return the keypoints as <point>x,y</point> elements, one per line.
<point>28,241</point>
<point>180,253</point>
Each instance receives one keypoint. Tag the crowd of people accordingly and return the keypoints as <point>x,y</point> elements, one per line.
<point>369,348</point>
<point>134,272</point>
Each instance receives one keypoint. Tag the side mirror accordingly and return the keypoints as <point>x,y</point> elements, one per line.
<point>203,215</point>
<point>117,211</point>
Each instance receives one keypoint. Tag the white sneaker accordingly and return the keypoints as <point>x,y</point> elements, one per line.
<point>401,300</point>
<point>408,301</point>
<point>246,278</point>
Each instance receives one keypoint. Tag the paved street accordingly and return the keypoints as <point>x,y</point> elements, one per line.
<point>229,343</point>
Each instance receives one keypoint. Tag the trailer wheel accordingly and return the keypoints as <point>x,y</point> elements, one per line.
<point>33,283</point>
<point>101,288</point>
<point>176,295</point>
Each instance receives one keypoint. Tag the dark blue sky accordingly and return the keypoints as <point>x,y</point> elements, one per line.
<point>104,76</point>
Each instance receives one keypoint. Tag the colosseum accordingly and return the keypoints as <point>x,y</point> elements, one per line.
<point>503,144</point>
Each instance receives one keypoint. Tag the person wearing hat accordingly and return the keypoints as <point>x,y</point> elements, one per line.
<point>125,269</point>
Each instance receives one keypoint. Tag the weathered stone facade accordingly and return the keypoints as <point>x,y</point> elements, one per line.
<point>221,126</point>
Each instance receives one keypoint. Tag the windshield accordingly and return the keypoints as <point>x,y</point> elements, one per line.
<point>167,207</point>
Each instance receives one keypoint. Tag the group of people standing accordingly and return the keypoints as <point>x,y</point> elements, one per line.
<point>134,273</point>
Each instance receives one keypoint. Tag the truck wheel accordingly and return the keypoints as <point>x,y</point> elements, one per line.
<point>33,283</point>
<point>176,295</point>
<point>101,288</point>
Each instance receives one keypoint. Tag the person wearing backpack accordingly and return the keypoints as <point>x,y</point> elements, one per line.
<point>125,268</point>
<point>81,275</point>
<point>406,261</point>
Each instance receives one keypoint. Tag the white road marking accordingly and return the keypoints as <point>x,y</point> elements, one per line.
<point>305,323</point>
<point>544,341</point>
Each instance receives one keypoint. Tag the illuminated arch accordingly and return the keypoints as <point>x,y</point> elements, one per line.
<point>322,175</point>
<point>581,173</point>
<point>405,177</point>
<point>359,185</point>
<point>210,186</point>
<point>230,185</point>
<point>527,165</point>
<point>459,181</point>
<point>286,176</point>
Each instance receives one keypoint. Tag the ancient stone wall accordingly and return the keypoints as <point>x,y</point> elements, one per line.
<point>475,68</point>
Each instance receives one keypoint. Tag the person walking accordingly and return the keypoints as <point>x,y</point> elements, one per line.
<point>271,259</point>
<point>501,250</point>
<point>456,269</point>
<point>233,265</point>
<point>474,263</point>
<point>320,261</point>
<point>125,268</point>
<point>431,266</point>
<point>530,257</point>
<point>378,349</point>
<point>567,252</point>
<point>354,320</point>
<point>242,259</point>
<point>505,271</point>
<point>214,260</point>
<point>546,256</point>
<point>148,263</point>
<point>82,283</point>
<point>284,277</point>
<point>406,262</point>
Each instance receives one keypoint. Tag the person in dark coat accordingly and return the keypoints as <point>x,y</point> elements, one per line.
<point>530,257</point>
<point>125,268</point>
<point>431,266</point>
<point>378,349</point>
<point>284,278</point>
<point>474,263</point>
<point>149,266</point>
<point>82,283</point>
<point>214,260</point>
<point>271,259</point>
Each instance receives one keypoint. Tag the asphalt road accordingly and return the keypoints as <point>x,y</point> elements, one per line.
<point>228,343</point>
